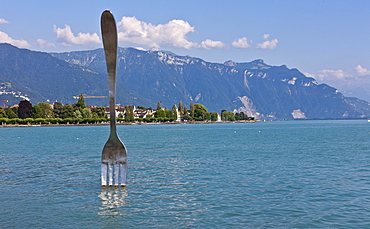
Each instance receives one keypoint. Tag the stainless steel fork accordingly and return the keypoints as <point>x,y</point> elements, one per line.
<point>114,155</point>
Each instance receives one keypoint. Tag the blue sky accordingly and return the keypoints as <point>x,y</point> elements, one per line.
<point>326,39</point>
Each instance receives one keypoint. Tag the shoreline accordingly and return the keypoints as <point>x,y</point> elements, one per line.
<point>135,123</point>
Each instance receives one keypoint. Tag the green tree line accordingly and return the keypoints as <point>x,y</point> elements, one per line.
<point>197,112</point>
<point>44,113</point>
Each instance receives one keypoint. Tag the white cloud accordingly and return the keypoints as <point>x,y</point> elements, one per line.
<point>3,21</point>
<point>67,37</point>
<point>44,44</point>
<point>331,74</point>
<point>353,83</point>
<point>335,75</point>
<point>241,43</point>
<point>210,44</point>
<point>268,44</point>
<point>4,38</point>
<point>171,34</point>
<point>362,71</point>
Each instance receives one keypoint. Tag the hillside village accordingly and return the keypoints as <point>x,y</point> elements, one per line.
<point>6,92</point>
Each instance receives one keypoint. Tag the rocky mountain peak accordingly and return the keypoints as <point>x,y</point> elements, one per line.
<point>230,63</point>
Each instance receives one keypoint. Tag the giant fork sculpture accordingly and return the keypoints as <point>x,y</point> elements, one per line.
<point>114,155</point>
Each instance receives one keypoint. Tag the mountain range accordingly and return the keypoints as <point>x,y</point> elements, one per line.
<point>146,77</point>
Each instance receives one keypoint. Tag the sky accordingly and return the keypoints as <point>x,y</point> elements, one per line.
<point>328,40</point>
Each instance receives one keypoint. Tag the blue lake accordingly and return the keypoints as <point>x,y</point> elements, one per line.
<point>292,174</point>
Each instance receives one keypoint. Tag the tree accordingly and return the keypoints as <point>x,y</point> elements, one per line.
<point>36,112</point>
<point>214,116</point>
<point>129,114</point>
<point>184,108</point>
<point>201,112</point>
<point>180,109</point>
<point>238,117</point>
<point>3,113</point>
<point>24,109</point>
<point>174,112</point>
<point>224,116</point>
<point>15,110</point>
<point>80,103</point>
<point>160,113</point>
<point>46,110</point>
<point>77,114</point>
<point>98,112</point>
<point>159,105</point>
<point>58,107</point>
<point>86,113</point>
<point>10,113</point>
<point>67,111</point>
<point>186,115</point>
<point>241,116</point>
<point>168,113</point>
<point>192,109</point>
<point>227,115</point>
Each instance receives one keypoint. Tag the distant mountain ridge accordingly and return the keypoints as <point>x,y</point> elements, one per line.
<point>146,77</point>
<point>256,88</point>
<point>41,77</point>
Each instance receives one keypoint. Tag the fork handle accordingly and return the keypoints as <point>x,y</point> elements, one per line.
<point>109,35</point>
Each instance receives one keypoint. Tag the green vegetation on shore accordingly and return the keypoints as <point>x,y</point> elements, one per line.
<point>78,113</point>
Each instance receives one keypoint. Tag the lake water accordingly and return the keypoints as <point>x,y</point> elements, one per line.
<point>292,174</point>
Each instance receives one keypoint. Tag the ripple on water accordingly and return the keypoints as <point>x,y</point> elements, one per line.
<point>305,174</point>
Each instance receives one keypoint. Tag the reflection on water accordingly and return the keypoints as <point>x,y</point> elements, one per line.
<point>113,199</point>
